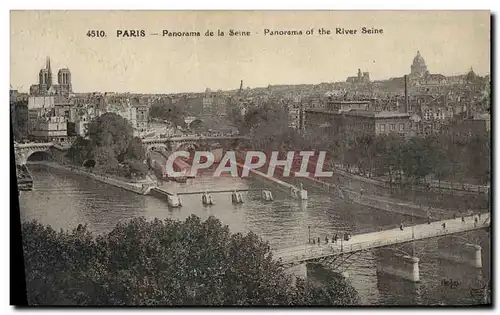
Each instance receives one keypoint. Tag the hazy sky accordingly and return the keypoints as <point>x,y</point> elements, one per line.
<point>450,42</point>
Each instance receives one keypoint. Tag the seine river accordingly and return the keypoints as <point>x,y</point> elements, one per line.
<point>63,200</point>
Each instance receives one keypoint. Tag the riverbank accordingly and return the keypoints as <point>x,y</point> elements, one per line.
<point>457,189</point>
<point>140,187</point>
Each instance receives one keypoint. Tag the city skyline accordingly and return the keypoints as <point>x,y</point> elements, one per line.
<point>118,65</point>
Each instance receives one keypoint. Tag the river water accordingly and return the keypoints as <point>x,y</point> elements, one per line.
<point>64,200</point>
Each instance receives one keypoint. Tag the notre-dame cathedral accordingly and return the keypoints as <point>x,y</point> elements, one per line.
<point>45,86</point>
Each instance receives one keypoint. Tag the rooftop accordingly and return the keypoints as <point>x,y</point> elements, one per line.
<point>363,113</point>
<point>351,102</point>
<point>484,116</point>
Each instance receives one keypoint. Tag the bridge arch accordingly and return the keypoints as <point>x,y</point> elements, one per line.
<point>186,146</point>
<point>24,153</point>
<point>39,155</point>
<point>196,124</point>
<point>155,147</point>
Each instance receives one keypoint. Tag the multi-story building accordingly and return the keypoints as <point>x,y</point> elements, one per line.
<point>214,104</point>
<point>361,78</point>
<point>295,115</point>
<point>41,102</point>
<point>478,124</point>
<point>345,106</point>
<point>356,123</point>
<point>142,117</point>
<point>125,110</point>
<point>51,128</point>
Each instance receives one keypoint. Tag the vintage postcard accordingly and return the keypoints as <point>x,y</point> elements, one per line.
<point>257,158</point>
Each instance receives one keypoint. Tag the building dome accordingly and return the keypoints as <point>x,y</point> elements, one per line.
<point>471,76</point>
<point>418,68</point>
<point>418,60</point>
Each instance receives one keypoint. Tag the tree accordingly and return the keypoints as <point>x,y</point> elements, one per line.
<point>367,149</point>
<point>389,155</point>
<point>79,151</point>
<point>105,157</point>
<point>172,112</point>
<point>135,150</point>
<point>19,118</point>
<point>442,165</point>
<point>478,158</point>
<point>111,131</point>
<point>165,262</point>
<point>136,168</point>
<point>234,115</point>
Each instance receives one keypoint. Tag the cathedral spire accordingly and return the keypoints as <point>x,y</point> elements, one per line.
<point>47,63</point>
<point>49,73</point>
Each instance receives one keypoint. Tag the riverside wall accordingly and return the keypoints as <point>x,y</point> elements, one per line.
<point>140,187</point>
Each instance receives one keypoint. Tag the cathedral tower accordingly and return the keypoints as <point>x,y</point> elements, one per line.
<point>45,77</point>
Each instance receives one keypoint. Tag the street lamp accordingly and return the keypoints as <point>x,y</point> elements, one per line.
<point>309,228</point>
<point>412,233</point>
<point>341,242</point>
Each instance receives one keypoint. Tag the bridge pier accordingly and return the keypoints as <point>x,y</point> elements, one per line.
<point>400,265</point>
<point>297,271</point>
<point>460,252</point>
<point>298,193</point>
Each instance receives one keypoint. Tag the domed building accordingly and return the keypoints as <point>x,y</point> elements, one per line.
<point>471,76</point>
<point>418,67</point>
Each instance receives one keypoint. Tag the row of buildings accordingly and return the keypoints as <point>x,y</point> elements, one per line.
<point>53,112</point>
<point>457,105</point>
<point>433,103</point>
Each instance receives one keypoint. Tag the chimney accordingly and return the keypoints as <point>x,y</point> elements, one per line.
<point>241,85</point>
<point>406,95</point>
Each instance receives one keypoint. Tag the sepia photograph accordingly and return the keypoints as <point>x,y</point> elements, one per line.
<point>251,158</point>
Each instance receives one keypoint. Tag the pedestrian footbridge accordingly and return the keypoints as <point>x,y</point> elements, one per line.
<point>301,254</point>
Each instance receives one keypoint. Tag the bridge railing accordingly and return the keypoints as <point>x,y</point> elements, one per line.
<point>313,252</point>
<point>33,144</point>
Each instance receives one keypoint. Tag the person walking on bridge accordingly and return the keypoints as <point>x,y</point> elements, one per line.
<point>336,237</point>
<point>463,219</point>
<point>401,226</point>
<point>319,240</point>
<point>475,221</point>
<point>444,225</point>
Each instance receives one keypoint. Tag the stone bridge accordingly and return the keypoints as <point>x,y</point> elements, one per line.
<point>23,151</point>
<point>190,142</point>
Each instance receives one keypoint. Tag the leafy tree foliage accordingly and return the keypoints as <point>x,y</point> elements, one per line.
<point>112,131</point>
<point>136,150</point>
<point>79,151</point>
<point>19,118</point>
<point>112,146</point>
<point>234,115</point>
<point>443,157</point>
<point>163,263</point>
<point>172,112</point>
<point>136,168</point>
<point>267,126</point>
